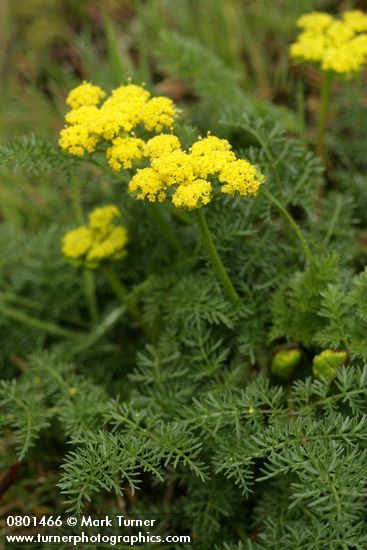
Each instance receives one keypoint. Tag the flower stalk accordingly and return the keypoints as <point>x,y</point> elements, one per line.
<point>323,116</point>
<point>38,324</point>
<point>165,228</point>
<point>125,298</point>
<point>211,249</point>
<point>292,222</point>
<point>88,277</point>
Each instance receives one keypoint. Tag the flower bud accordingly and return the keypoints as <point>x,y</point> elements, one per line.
<point>285,362</point>
<point>327,362</point>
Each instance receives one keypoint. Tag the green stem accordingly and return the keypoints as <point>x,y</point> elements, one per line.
<point>323,116</point>
<point>292,222</point>
<point>301,113</point>
<point>19,300</point>
<point>90,293</point>
<point>76,200</point>
<point>181,216</point>
<point>88,276</point>
<point>214,256</point>
<point>164,227</point>
<point>37,323</point>
<point>125,298</point>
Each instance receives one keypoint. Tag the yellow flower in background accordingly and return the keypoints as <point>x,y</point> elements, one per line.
<point>338,45</point>
<point>316,20</point>
<point>356,19</point>
<point>77,242</point>
<point>85,95</point>
<point>110,248</point>
<point>101,218</point>
<point>103,239</point>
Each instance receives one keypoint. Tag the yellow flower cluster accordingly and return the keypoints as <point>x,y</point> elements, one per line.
<point>125,110</point>
<point>101,240</point>
<point>186,177</point>
<point>166,170</point>
<point>339,46</point>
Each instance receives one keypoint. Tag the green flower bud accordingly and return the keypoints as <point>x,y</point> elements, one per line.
<point>327,362</point>
<point>285,362</point>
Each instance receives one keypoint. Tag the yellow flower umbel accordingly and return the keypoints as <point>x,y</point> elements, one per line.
<point>189,178</point>
<point>128,109</point>
<point>102,240</point>
<point>338,46</point>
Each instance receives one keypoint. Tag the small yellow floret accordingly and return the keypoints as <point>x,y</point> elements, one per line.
<point>338,33</point>
<point>111,247</point>
<point>123,151</point>
<point>146,184</point>
<point>193,195</point>
<point>86,116</point>
<point>348,58</point>
<point>160,112</point>
<point>308,47</point>
<point>175,168</point>
<point>356,19</point>
<point>77,140</point>
<point>240,176</point>
<point>85,95</point>
<point>209,144</point>
<point>316,20</point>
<point>161,145</point>
<point>121,111</point>
<point>77,242</point>
<point>131,93</point>
<point>102,217</point>
<point>210,155</point>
